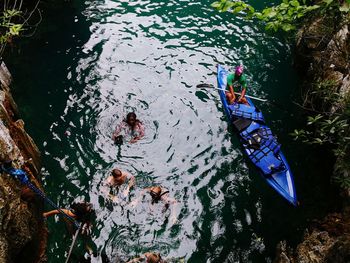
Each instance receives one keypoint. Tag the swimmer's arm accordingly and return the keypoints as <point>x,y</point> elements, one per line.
<point>106,184</point>
<point>87,229</point>
<point>55,212</point>
<point>117,130</point>
<point>173,213</point>
<point>134,139</point>
<point>170,200</point>
<point>105,191</point>
<point>141,130</point>
<point>131,183</point>
<point>143,192</point>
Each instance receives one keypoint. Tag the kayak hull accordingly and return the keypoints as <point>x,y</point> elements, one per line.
<point>259,144</point>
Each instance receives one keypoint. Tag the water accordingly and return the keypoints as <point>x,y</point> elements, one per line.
<point>92,62</point>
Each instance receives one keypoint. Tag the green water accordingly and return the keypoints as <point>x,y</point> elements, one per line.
<point>91,62</point>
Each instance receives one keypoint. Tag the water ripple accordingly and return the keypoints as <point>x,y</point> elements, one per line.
<point>147,57</point>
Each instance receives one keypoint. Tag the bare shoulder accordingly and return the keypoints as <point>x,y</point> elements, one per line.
<point>109,180</point>
<point>125,175</point>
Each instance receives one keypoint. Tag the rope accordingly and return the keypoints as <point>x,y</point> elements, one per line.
<point>73,243</point>
<point>23,178</point>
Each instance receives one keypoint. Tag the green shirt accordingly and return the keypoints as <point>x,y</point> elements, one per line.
<point>231,78</point>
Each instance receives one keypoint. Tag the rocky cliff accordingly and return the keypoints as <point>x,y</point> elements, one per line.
<point>323,59</point>
<point>22,230</point>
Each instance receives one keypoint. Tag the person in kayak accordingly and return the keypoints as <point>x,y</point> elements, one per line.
<point>131,126</point>
<point>159,194</point>
<point>117,179</point>
<point>148,257</point>
<point>240,77</point>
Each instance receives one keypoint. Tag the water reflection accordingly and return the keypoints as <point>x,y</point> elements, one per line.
<point>147,57</point>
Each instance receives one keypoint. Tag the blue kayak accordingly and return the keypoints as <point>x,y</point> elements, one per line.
<point>258,142</point>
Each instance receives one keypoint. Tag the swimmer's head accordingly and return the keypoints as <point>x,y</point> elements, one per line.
<point>116,173</point>
<point>131,118</point>
<point>82,210</point>
<point>153,257</point>
<point>156,190</point>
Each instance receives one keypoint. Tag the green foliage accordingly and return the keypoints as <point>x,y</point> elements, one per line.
<point>234,6</point>
<point>284,16</point>
<point>343,182</point>
<point>326,90</point>
<point>342,166</point>
<point>14,20</point>
<point>322,95</point>
<point>324,130</point>
<point>9,29</point>
<point>332,131</point>
<point>329,127</point>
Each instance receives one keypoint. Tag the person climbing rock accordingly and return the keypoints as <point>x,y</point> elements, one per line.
<point>116,180</point>
<point>82,212</point>
<point>148,257</point>
<point>159,195</point>
<point>132,127</point>
<point>240,77</point>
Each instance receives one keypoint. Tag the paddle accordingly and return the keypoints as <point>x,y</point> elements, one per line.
<point>237,93</point>
<point>206,85</point>
<point>73,243</point>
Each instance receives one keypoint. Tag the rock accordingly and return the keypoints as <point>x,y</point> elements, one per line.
<point>337,49</point>
<point>5,76</point>
<point>22,230</point>
<point>327,241</point>
<point>340,251</point>
<point>314,248</point>
<point>335,76</point>
<point>345,86</point>
<point>323,57</point>
<point>320,49</point>
<point>283,254</point>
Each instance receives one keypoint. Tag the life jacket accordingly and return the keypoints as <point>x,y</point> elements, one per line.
<point>245,111</point>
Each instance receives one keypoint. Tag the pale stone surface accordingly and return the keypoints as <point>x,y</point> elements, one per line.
<point>327,241</point>
<point>345,87</point>
<point>22,231</point>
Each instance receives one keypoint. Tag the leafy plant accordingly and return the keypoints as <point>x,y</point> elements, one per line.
<point>9,29</point>
<point>324,130</point>
<point>13,21</point>
<point>344,182</point>
<point>333,131</point>
<point>284,16</point>
<point>342,166</point>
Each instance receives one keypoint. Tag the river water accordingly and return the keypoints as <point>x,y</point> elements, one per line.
<point>91,62</point>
